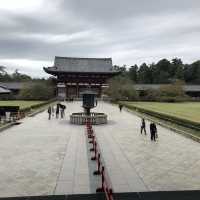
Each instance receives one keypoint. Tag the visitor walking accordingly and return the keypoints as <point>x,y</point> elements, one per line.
<point>62,110</point>
<point>143,127</point>
<point>57,111</point>
<point>120,107</point>
<point>52,110</point>
<point>153,131</point>
<point>49,112</point>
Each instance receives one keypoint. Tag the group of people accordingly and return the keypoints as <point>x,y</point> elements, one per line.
<point>153,129</point>
<point>60,110</point>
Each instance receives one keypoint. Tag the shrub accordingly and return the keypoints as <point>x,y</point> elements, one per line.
<point>173,92</point>
<point>121,88</point>
<point>7,97</point>
<point>150,95</point>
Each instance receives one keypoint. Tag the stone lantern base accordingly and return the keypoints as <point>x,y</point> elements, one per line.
<point>81,118</point>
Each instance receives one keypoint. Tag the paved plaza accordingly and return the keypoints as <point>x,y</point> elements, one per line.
<point>41,156</point>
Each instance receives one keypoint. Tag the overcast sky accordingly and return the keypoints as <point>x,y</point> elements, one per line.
<point>33,32</point>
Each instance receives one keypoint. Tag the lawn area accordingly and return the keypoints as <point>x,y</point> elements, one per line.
<point>189,110</point>
<point>21,104</point>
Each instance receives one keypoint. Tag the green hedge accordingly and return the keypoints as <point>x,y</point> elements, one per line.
<point>179,121</point>
<point>28,109</point>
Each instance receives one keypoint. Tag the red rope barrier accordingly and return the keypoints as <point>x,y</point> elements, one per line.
<point>95,151</point>
<point>105,186</point>
<point>93,143</point>
<point>98,172</point>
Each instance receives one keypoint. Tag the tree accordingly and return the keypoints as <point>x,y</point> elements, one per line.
<point>2,69</point>
<point>195,68</point>
<point>121,88</point>
<point>162,71</point>
<point>133,73</point>
<point>188,73</point>
<point>144,74</point>
<point>37,91</point>
<point>172,92</point>
<point>16,76</point>
<point>177,69</point>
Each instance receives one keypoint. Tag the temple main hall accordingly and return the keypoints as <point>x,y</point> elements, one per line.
<point>74,75</point>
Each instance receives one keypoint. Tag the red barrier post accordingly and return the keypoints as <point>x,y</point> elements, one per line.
<point>92,139</point>
<point>90,133</point>
<point>95,151</point>
<point>110,194</point>
<point>98,172</point>
<point>93,143</point>
<point>101,189</point>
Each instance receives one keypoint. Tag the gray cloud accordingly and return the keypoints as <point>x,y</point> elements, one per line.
<point>130,31</point>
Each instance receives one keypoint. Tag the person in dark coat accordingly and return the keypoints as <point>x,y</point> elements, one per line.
<point>143,126</point>
<point>49,112</point>
<point>120,107</point>
<point>52,110</point>
<point>57,110</point>
<point>153,131</point>
<point>62,111</point>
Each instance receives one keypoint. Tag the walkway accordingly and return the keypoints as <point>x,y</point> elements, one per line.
<point>137,164</point>
<point>41,157</point>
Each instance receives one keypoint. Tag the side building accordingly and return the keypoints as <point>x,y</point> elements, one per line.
<point>74,75</point>
<point>190,90</point>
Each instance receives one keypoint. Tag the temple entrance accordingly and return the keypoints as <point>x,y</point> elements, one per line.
<point>68,91</point>
<point>76,74</point>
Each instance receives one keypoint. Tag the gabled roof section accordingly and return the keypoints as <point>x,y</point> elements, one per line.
<point>186,88</point>
<point>81,65</point>
<point>12,85</point>
<point>4,91</point>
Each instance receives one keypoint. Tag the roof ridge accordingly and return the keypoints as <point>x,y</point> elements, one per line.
<point>83,58</point>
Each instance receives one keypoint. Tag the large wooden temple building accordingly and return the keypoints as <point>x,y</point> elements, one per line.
<point>74,75</point>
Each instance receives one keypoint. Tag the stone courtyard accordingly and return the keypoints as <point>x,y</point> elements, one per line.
<point>41,156</point>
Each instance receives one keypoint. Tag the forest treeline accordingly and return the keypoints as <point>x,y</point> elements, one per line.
<point>33,88</point>
<point>162,72</point>
<point>16,76</point>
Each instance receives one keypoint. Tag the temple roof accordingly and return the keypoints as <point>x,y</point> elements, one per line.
<point>186,88</point>
<point>4,90</point>
<point>81,65</point>
<point>13,85</point>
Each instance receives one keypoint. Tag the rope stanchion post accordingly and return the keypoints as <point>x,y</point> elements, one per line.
<point>90,133</point>
<point>98,172</point>
<point>101,189</point>
<point>95,151</point>
<point>93,143</point>
<point>110,193</point>
<point>92,139</point>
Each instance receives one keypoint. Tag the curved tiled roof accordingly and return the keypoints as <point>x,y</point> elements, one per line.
<point>81,65</point>
<point>4,91</point>
<point>187,88</point>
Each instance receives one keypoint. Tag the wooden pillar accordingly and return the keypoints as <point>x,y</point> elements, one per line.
<point>66,90</point>
<point>77,90</point>
<point>100,90</point>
